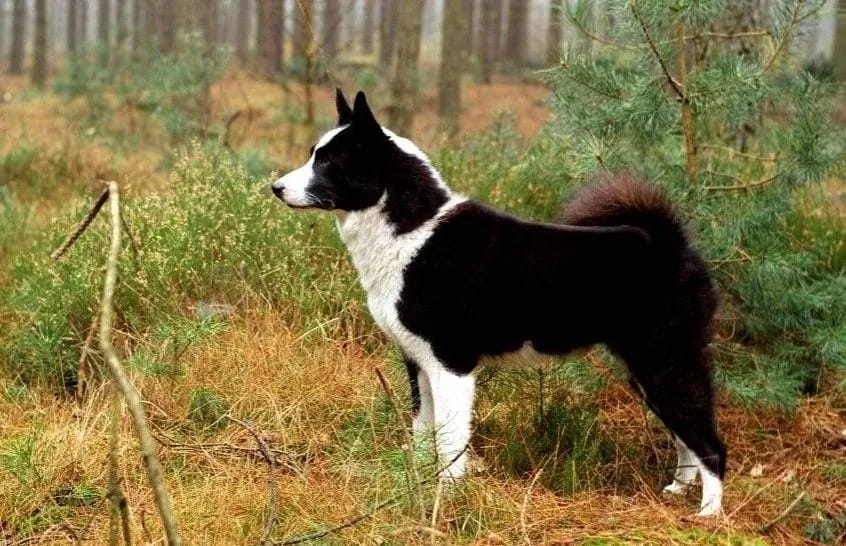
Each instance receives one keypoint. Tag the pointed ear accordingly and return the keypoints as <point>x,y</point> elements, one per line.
<point>362,115</point>
<point>345,113</point>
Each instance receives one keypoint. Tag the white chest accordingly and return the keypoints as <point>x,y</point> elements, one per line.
<point>381,256</point>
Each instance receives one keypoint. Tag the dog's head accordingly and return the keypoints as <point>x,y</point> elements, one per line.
<point>346,169</point>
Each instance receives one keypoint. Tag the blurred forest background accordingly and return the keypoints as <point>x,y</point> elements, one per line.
<point>245,330</point>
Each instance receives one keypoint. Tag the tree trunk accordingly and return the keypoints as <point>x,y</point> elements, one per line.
<point>453,38</point>
<point>242,32</point>
<point>136,26</point>
<point>303,29</point>
<point>83,22</point>
<point>839,55</point>
<point>388,20</point>
<point>406,81</point>
<point>16,53</point>
<point>122,32</point>
<point>331,28</point>
<point>367,26</point>
<point>104,22</point>
<point>270,21</point>
<point>167,26</point>
<point>72,23</point>
<point>490,33</point>
<point>208,20</point>
<point>469,25</point>
<point>516,39</point>
<point>554,31</point>
<point>151,16</point>
<point>39,45</point>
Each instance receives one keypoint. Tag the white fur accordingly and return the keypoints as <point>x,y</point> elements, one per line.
<point>380,256</point>
<point>712,491</point>
<point>446,399</point>
<point>296,182</point>
<point>686,469</point>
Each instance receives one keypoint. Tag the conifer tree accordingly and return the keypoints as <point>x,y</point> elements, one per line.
<point>665,92</point>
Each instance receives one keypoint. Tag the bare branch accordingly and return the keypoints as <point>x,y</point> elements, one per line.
<point>741,184</point>
<point>83,225</point>
<point>122,382</point>
<point>270,519</point>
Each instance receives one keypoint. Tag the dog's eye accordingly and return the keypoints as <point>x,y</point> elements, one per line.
<point>311,151</point>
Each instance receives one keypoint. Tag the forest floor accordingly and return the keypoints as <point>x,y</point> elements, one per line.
<point>318,407</point>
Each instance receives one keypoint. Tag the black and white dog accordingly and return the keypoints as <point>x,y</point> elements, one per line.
<point>454,282</point>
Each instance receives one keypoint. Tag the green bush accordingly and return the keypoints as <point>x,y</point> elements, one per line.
<point>764,138</point>
<point>216,235</point>
<point>172,88</point>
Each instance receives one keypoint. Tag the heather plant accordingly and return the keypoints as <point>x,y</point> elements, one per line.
<point>216,235</point>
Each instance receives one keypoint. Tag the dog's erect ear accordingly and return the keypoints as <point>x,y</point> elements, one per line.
<point>362,115</point>
<point>345,113</point>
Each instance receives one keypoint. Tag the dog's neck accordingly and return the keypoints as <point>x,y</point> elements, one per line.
<point>379,252</point>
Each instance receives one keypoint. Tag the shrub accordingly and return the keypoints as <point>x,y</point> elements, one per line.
<point>217,235</point>
<point>739,146</point>
<point>172,88</point>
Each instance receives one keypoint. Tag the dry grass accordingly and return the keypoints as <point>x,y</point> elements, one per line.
<point>303,399</point>
<point>320,408</point>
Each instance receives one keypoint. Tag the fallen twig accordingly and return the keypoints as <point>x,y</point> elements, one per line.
<point>118,508</point>
<point>122,382</point>
<point>523,528</point>
<point>83,357</point>
<point>412,470</point>
<point>765,528</point>
<point>270,520</point>
<point>83,225</point>
<point>348,523</point>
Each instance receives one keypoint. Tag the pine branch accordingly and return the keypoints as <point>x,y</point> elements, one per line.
<point>673,83</point>
<point>741,185</point>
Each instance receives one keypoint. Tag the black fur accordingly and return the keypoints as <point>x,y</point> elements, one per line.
<point>485,283</point>
<point>618,270</point>
<point>361,163</point>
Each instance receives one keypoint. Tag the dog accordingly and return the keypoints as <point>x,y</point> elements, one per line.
<point>453,283</point>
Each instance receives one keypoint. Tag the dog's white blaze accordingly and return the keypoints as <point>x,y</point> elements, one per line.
<point>381,256</point>
<point>297,182</point>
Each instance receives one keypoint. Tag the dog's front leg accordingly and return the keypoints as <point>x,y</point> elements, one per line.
<point>452,397</point>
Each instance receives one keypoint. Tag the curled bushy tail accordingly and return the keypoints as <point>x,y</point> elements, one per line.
<point>624,200</point>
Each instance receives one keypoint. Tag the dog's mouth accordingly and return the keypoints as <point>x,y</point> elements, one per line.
<point>319,205</point>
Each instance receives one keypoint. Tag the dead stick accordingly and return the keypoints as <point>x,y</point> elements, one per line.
<point>83,357</point>
<point>361,517</point>
<point>124,385</point>
<point>349,523</point>
<point>83,225</point>
<point>270,520</point>
<point>523,527</point>
<point>769,525</point>
<point>412,471</point>
<point>118,508</point>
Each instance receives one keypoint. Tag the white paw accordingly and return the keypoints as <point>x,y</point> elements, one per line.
<point>457,469</point>
<point>710,508</point>
<point>677,488</point>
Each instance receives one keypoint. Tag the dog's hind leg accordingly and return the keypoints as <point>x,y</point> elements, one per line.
<point>679,391</point>
<point>452,397</point>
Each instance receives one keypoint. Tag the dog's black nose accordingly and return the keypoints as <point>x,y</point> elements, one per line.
<point>277,191</point>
